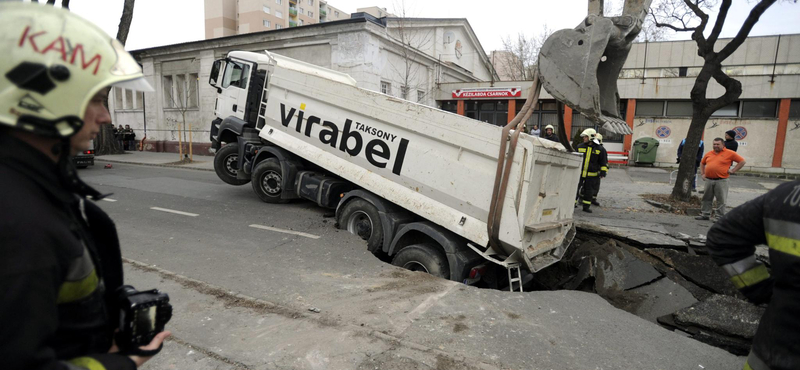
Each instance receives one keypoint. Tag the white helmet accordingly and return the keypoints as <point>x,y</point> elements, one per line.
<point>599,137</point>
<point>549,127</point>
<point>53,63</point>
<point>590,132</point>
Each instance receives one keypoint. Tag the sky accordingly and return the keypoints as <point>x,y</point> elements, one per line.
<point>165,22</point>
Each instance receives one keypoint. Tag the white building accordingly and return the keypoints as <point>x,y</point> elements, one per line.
<point>408,58</point>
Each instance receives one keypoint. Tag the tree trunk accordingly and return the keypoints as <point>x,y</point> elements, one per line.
<point>686,171</point>
<point>65,4</point>
<point>106,143</point>
<point>125,21</point>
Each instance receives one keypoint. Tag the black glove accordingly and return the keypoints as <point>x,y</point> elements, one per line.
<point>678,161</point>
<point>602,174</point>
<point>759,293</point>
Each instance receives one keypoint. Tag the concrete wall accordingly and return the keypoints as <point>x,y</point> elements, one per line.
<point>791,154</point>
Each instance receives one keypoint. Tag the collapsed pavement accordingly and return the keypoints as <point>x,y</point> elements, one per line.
<point>664,278</point>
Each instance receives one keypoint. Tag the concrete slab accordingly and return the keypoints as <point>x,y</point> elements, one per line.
<point>723,314</point>
<point>662,297</point>
<point>698,269</point>
<point>637,233</point>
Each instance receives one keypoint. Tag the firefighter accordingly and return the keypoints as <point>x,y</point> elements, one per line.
<point>772,219</point>
<point>549,135</point>
<point>61,263</point>
<point>604,153</point>
<point>593,168</point>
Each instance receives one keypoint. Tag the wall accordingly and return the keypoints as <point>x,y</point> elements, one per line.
<point>791,156</point>
<point>756,148</point>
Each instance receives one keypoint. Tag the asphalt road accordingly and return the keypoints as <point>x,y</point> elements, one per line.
<point>242,293</point>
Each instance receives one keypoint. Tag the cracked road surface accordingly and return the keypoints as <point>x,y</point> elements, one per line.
<point>242,294</point>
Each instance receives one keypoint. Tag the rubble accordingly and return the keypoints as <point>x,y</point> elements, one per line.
<point>676,288</point>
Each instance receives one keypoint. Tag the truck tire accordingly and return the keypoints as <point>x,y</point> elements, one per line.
<point>361,218</point>
<point>225,163</point>
<point>267,181</point>
<point>425,258</point>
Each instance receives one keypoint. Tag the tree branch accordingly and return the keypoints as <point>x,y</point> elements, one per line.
<point>667,25</point>
<point>751,20</point>
<point>697,35</point>
<point>733,90</point>
<point>723,13</point>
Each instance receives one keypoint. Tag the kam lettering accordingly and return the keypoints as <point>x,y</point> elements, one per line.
<point>69,53</point>
<point>376,151</point>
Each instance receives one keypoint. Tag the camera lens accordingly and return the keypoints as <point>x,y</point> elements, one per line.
<point>125,291</point>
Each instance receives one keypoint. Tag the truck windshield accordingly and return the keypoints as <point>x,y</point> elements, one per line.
<point>236,74</point>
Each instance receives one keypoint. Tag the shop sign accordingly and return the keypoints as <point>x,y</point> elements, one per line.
<point>488,92</point>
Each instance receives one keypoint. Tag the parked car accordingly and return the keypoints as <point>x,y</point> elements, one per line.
<point>86,158</point>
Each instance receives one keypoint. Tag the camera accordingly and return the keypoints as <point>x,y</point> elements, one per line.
<point>142,316</point>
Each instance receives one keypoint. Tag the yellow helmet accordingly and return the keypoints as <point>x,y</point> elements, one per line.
<point>53,63</point>
<point>599,137</point>
<point>590,132</point>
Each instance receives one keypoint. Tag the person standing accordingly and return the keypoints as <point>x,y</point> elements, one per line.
<point>697,160</point>
<point>549,135</point>
<point>61,263</point>
<point>535,131</point>
<point>593,168</point>
<point>118,132</point>
<point>604,159</point>
<point>772,219</point>
<point>730,141</point>
<point>715,168</point>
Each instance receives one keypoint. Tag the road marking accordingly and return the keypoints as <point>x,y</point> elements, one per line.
<point>174,211</point>
<point>312,236</point>
<point>109,200</point>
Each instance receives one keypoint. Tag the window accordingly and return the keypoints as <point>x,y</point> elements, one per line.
<point>167,85</point>
<point>300,22</point>
<point>236,75</point>
<point>759,108</point>
<point>266,9</point>
<point>278,26</point>
<point>731,110</point>
<point>650,108</point>
<point>336,13</point>
<point>452,105</point>
<point>278,2</point>
<point>386,88</point>
<point>278,14</point>
<point>267,23</point>
<point>682,71</point>
<point>118,98</point>
<point>311,14</point>
<point>310,2</point>
<point>192,93</point>
<point>794,109</point>
<point>404,92</point>
<point>302,11</point>
<point>421,96</point>
<point>679,108</point>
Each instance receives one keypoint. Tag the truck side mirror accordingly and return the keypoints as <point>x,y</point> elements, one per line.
<point>215,69</point>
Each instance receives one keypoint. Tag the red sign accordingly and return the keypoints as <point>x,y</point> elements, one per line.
<point>488,92</point>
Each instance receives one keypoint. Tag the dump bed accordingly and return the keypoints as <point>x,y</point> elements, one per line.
<point>438,165</point>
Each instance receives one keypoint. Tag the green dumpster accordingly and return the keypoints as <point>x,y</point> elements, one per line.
<point>644,150</point>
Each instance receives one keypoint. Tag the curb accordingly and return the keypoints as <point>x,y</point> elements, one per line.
<point>787,176</point>
<point>154,164</point>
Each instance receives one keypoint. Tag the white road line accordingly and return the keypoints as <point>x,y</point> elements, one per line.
<point>312,236</point>
<point>174,211</point>
<point>109,200</point>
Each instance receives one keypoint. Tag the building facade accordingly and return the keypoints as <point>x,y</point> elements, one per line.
<point>654,88</point>
<point>368,49</point>
<point>236,17</point>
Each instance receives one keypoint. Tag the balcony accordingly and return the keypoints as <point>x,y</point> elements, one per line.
<point>322,13</point>
<point>292,23</point>
<point>293,12</point>
<point>293,2</point>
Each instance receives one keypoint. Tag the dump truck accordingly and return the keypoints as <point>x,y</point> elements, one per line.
<point>415,182</point>
<point>426,189</point>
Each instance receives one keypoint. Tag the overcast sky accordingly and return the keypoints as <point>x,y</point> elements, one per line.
<point>164,22</point>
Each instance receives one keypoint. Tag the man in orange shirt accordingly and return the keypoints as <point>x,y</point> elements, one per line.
<point>715,168</point>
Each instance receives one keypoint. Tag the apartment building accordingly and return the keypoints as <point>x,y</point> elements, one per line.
<point>236,17</point>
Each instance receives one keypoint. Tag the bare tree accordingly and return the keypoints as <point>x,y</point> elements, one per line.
<point>105,142</point>
<point>410,69</point>
<point>65,4</point>
<point>692,16</point>
<point>517,60</point>
<point>181,99</point>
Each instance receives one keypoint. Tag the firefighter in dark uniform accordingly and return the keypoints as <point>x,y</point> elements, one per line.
<point>595,166</point>
<point>604,154</point>
<point>772,219</point>
<point>60,260</point>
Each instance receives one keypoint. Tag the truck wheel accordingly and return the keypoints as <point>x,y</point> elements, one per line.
<point>225,164</point>
<point>425,258</point>
<point>361,218</point>
<point>267,181</point>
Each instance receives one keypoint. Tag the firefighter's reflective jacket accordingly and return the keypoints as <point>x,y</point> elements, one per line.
<point>772,219</point>
<point>595,160</point>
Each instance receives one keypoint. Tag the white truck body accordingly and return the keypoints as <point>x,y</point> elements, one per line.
<point>438,165</point>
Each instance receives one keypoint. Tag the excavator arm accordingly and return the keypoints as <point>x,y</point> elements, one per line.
<point>580,67</point>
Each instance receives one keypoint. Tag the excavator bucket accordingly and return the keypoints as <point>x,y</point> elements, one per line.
<point>579,67</point>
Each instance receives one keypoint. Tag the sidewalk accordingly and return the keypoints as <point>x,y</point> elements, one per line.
<point>201,162</point>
